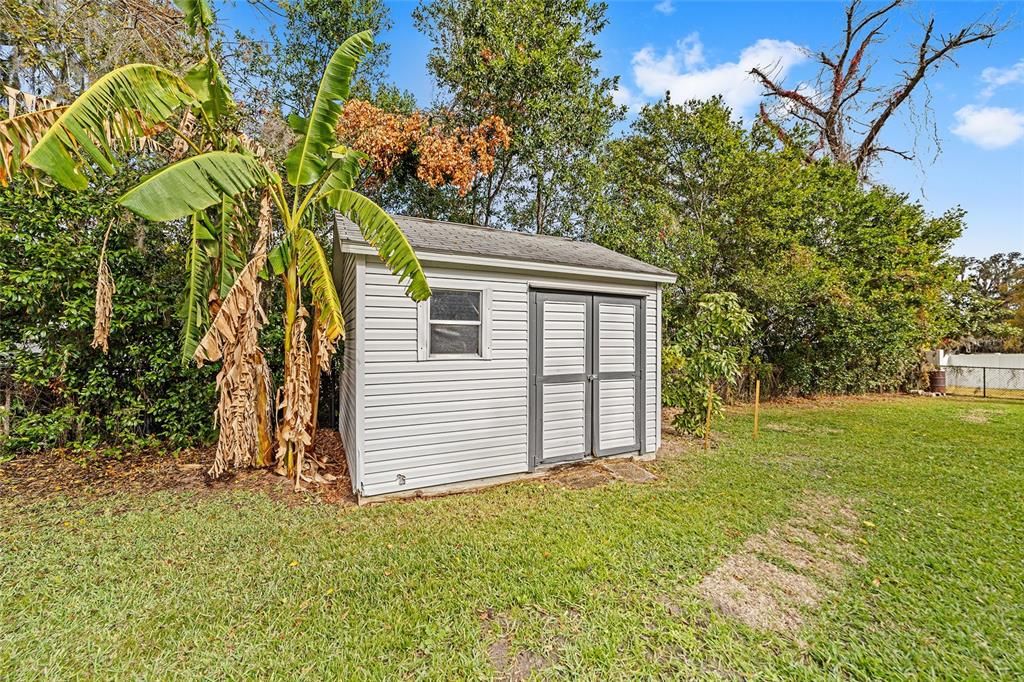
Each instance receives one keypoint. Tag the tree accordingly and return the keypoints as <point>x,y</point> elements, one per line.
<point>56,49</point>
<point>411,142</point>
<point>989,304</point>
<point>997,275</point>
<point>846,107</point>
<point>845,283</point>
<point>709,350</point>
<point>531,63</point>
<point>61,392</point>
<point>320,177</point>
<point>285,69</point>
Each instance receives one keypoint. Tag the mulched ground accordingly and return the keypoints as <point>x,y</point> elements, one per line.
<point>54,473</point>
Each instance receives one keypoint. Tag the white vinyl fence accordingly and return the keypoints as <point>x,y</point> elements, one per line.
<point>985,374</point>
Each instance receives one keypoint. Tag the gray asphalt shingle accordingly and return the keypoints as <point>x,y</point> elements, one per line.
<point>458,238</point>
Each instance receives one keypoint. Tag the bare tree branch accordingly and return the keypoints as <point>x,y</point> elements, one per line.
<point>928,55</point>
<point>843,82</point>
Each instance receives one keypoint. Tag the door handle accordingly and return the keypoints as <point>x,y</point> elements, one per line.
<point>591,377</point>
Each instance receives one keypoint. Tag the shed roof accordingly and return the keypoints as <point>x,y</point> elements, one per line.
<point>437,236</point>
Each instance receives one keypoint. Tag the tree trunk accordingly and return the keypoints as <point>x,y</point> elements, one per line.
<point>265,457</point>
<point>314,375</point>
<point>286,453</point>
<point>5,422</point>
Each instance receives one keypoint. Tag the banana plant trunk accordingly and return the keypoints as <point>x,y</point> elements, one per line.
<point>291,297</point>
<point>314,374</point>
<point>297,397</point>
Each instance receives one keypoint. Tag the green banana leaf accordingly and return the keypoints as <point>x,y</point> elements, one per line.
<point>194,308</point>
<point>315,272</point>
<point>124,102</point>
<point>349,163</point>
<point>198,15</point>
<point>194,184</point>
<point>211,88</point>
<point>382,232</point>
<point>280,256</point>
<point>308,158</point>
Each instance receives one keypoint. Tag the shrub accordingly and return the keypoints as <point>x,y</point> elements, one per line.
<point>708,350</point>
<point>62,392</point>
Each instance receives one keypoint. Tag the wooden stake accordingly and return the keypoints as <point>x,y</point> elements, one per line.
<point>707,423</point>
<point>757,405</point>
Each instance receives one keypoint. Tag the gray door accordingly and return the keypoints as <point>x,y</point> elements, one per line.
<point>617,385</point>
<point>586,363</point>
<point>562,365</point>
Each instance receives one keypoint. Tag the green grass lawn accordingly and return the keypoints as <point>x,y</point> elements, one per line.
<point>596,583</point>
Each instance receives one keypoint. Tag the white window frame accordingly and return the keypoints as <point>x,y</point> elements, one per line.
<point>423,323</point>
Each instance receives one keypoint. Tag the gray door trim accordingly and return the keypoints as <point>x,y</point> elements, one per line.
<point>639,387</point>
<point>538,380</point>
<point>591,413</point>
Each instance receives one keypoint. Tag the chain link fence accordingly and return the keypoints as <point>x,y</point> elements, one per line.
<point>985,382</point>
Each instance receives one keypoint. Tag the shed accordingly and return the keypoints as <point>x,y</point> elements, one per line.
<point>531,351</point>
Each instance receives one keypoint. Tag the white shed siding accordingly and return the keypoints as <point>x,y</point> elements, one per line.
<point>416,421</point>
<point>347,415</point>
<point>652,374</point>
<point>657,371</point>
<point>437,421</point>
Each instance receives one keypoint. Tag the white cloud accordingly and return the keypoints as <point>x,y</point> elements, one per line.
<point>665,7</point>
<point>683,71</point>
<point>692,51</point>
<point>989,127</point>
<point>996,77</point>
<point>624,97</point>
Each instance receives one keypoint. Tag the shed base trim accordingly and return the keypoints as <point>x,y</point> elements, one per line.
<point>542,471</point>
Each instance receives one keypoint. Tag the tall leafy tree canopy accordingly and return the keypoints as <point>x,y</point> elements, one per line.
<point>56,49</point>
<point>846,284</point>
<point>990,304</point>
<point>285,71</point>
<point>533,63</point>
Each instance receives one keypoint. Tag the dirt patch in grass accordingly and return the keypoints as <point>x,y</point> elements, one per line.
<point>591,474</point>
<point>783,428</point>
<point>46,475</point>
<point>510,665</point>
<point>806,430</point>
<point>581,476</point>
<point>673,609</point>
<point>628,471</point>
<point>817,401</point>
<point>980,415</point>
<point>780,575</point>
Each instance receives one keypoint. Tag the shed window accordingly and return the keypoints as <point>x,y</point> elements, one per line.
<point>455,322</point>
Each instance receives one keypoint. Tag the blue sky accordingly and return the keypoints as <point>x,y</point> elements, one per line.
<point>696,49</point>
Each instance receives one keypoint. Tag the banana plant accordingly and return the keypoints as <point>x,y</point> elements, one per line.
<point>18,134</point>
<point>320,176</point>
<point>126,111</point>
